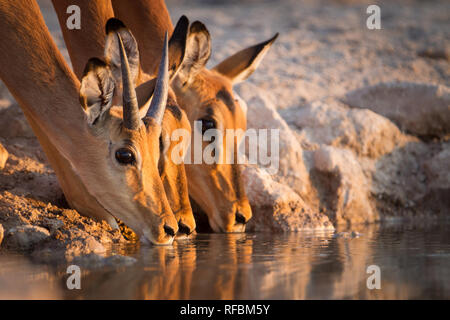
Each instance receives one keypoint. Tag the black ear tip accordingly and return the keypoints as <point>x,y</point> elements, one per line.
<point>271,40</point>
<point>92,64</point>
<point>182,25</point>
<point>183,19</point>
<point>113,25</point>
<point>197,27</point>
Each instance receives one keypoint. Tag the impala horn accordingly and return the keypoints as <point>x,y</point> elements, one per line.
<point>159,99</point>
<point>131,119</point>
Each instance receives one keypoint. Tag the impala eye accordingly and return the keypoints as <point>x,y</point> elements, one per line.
<point>125,156</point>
<point>207,124</point>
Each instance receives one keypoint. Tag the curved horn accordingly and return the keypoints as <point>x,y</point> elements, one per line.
<point>159,100</point>
<point>131,119</point>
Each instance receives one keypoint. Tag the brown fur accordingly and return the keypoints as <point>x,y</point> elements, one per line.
<point>89,36</point>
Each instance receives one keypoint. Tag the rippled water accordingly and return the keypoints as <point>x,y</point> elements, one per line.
<point>414,260</point>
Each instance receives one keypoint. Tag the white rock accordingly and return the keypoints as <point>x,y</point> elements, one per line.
<point>421,109</point>
<point>277,207</point>
<point>262,114</point>
<point>398,177</point>
<point>346,190</point>
<point>331,123</point>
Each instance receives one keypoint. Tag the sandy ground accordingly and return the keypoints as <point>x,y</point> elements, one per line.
<point>359,165</point>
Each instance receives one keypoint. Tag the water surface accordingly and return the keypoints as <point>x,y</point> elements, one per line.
<point>414,260</point>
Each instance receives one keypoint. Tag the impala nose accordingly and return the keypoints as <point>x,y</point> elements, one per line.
<point>169,230</point>
<point>184,229</point>
<point>240,219</point>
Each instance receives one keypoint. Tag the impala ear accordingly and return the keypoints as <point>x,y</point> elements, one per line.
<point>198,51</point>
<point>177,45</point>
<point>96,90</point>
<point>116,27</point>
<point>242,64</point>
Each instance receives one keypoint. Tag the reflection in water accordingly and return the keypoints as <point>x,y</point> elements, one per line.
<point>414,262</point>
<point>21,280</point>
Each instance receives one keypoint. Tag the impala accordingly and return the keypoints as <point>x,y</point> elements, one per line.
<point>205,95</point>
<point>86,42</point>
<point>105,156</point>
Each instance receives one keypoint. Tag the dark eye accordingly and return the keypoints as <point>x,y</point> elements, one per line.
<point>125,156</point>
<point>207,124</point>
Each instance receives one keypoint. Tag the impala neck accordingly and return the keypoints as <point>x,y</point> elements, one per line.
<point>36,74</point>
<point>89,40</point>
<point>148,20</point>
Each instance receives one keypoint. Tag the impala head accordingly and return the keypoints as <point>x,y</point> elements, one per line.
<point>173,172</point>
<point>126,136</point>
<point>207,96</point>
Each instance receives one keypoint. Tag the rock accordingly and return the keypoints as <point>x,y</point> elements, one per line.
<point>94,246</point>
<point>438,169</point>
<point>53,224</point>
<point>3,156</point>
<point>13,123</point>
<point>342,186</point>
<point>331,123</point>
<point>420,109</point>
<point>1,234</point>
<point>276,207</point>
<point>25,237</point>
<point>399,181</point>
<point>82,243</point>
<point>262,114</point>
